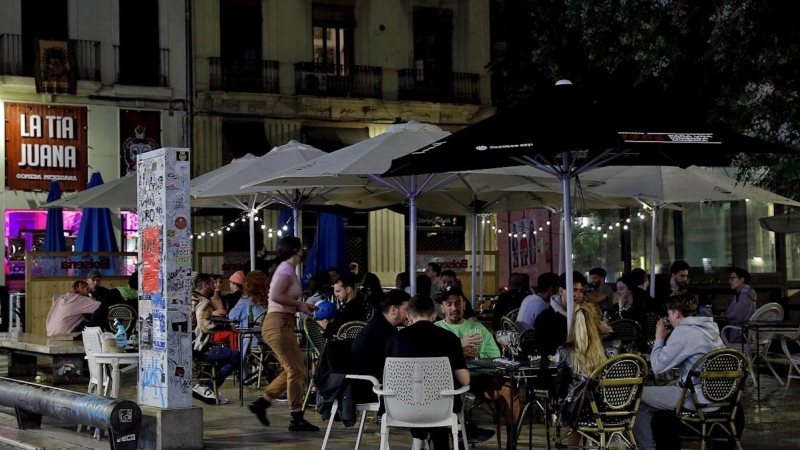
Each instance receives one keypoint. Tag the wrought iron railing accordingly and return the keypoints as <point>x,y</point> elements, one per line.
<point>12,62</point>
<point>142,75</point>
<point>439,86</point>
<point>244,75</point>
<point>336,80</point>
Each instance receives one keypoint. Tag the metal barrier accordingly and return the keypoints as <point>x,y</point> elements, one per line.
<point>122,419</point>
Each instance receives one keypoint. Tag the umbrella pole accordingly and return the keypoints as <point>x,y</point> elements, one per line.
<point>474,256</point>
<point>653,245</point>
<point>296,229</point>
<point>483,258</point>
<point>567,221</point>
<point>561,249</point>
<point>252,240</point>
<point>412,235</point>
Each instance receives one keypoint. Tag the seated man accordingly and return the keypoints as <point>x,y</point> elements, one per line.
<point>227,359</point>
<point>126,295</point>
<point>478,342</point>
<point>518,289</point>
<point>422,339</point>
<point>535,304</point>
<point>68,313</point>
<point>690,338</point>
<point>368,354</point>
<point>353,306</point>
<point>447,279</point>
<point>94,279</point>
<point>743,303</point>
<point>559,302</point>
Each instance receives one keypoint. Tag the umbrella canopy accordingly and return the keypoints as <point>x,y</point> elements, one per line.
<point>54,231</point>
<point>782,223</point>
<point>329,248</point>
<point>96,234</point>
<point>565,132</point>
<point>119,193</point>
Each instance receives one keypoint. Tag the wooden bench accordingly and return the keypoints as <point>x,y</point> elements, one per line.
<point>69,366</point>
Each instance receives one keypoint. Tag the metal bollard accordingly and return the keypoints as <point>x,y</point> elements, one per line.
<point>122,419</point>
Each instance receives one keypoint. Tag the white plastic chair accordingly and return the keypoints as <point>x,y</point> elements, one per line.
<point>794,359</point>
<point>418,393</point>
<point>362,407</point>
<point>771,312</point>
<point>92,345</point>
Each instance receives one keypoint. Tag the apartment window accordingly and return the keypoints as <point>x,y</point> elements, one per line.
<point>240,31</point>
<point>333,27</point>
<point>433,40</point>
<point>139,60</point>
<point>45,19</point>
<point>241,138</point>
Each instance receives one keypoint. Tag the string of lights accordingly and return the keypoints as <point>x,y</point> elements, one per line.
<point>584,224</point>
<point>244,218</point>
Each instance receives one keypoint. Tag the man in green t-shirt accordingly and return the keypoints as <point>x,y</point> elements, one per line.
<point>476,340</point>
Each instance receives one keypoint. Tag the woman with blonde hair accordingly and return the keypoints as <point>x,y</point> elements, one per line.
<point>583,352</point>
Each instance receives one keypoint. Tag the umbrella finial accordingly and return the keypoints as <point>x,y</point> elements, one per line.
<point>563,83</point>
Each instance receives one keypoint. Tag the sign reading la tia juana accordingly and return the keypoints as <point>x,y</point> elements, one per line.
<point>45,143</point>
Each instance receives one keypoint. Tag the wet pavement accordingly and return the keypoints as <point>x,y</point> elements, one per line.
<point>774,424</point>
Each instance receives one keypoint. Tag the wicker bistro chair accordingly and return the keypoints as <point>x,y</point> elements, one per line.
<point>350,329</point>
<point>261,356</point>
<point>509,325</point>
<point>720,377</point>
<point>418,393</point>
<point>609,403</point>
<point>756,348</point>
<point>629,332</point>
<point>124,313</point>
<point>317,344</point>
<point>793,358</point>
<point>512,315</point>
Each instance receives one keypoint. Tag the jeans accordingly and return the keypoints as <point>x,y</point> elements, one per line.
<point>278,332</point>
<point>227,359</point>
<point>654,398</point>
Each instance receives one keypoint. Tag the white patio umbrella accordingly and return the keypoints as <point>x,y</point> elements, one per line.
<point>782,223</point>
<point>360,165</point>
<point>223,185</point>
<point>658,186</point>
<point>119,193</point>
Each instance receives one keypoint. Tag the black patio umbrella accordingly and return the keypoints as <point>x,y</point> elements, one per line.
<point>565,132</point>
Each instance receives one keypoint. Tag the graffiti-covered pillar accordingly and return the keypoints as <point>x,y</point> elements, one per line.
<point>165,280</point>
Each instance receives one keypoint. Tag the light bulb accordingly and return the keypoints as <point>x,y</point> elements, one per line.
<point>199,237</point>
<point>280,233</point>
<point>605,235</point>
<point>540,228</point>
<point>616,224</point>
<point>202,234</point>
<point>624,227</point>
<point>285,228</point>
<point>232,224</point>
<point>524,235</point>
<point>610,227</point>
<point>219,231</point>
<point>269,235</point>
<point>227,228</point>
<point>534,232</point>
<point>263,227</point>
<point>628,220</point>
<point>548,222</point>
<point>509,234</point>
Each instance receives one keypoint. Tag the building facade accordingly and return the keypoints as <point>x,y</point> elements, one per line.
<point>331,73</point>
<point>85,85</point>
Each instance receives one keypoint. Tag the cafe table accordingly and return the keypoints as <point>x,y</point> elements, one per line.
<point>515,372</point>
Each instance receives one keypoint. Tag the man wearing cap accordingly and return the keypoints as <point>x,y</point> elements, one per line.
<point>127,295</point>
<point>477,341</point>
<point>237,282</point>
<point>96,291</point>
<point>743,302</point>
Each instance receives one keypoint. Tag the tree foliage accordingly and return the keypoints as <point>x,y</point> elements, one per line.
<point>738,61</point>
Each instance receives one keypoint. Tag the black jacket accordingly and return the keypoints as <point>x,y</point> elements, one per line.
<point>331,384</point>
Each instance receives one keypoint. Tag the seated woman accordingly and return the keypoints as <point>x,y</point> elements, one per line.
<point>632,301</point>
<point>248,308</point>
<point>583,352</point>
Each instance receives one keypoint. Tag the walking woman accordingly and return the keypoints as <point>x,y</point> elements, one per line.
<point>278,331</point>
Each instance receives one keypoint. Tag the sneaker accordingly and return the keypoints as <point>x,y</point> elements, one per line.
<point>283,398</point>
<point>302,425</point>
<point>259,408</point>
<point>204,394</point>
<point>222,400</point>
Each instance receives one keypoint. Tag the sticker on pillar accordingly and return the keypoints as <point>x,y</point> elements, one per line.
<point>181,222</point>
<point>151,267</point>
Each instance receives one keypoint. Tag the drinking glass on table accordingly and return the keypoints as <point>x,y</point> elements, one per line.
<point>477,332</point>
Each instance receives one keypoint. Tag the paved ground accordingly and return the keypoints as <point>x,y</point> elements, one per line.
<point>773,425</point>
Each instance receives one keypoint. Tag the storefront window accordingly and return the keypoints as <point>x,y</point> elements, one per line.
<point>793,256</point>
<point>641,226</point>
<point>760,242</point>
<point>595,245</point>
<point>707,235</point>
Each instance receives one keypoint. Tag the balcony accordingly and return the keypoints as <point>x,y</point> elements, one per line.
<point>12,62</point>
<point>335,80</point>
<point>136,68</point>
<point>244,75</point>
<point>440,87</point>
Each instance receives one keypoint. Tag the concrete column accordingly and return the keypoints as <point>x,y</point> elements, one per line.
<point>165,284</point>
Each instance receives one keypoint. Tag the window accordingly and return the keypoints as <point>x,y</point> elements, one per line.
<point>333,34</point>
<point>241,138</point>
<point>45,19</point>
<point>139,60</point>
<point>433,41</point>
